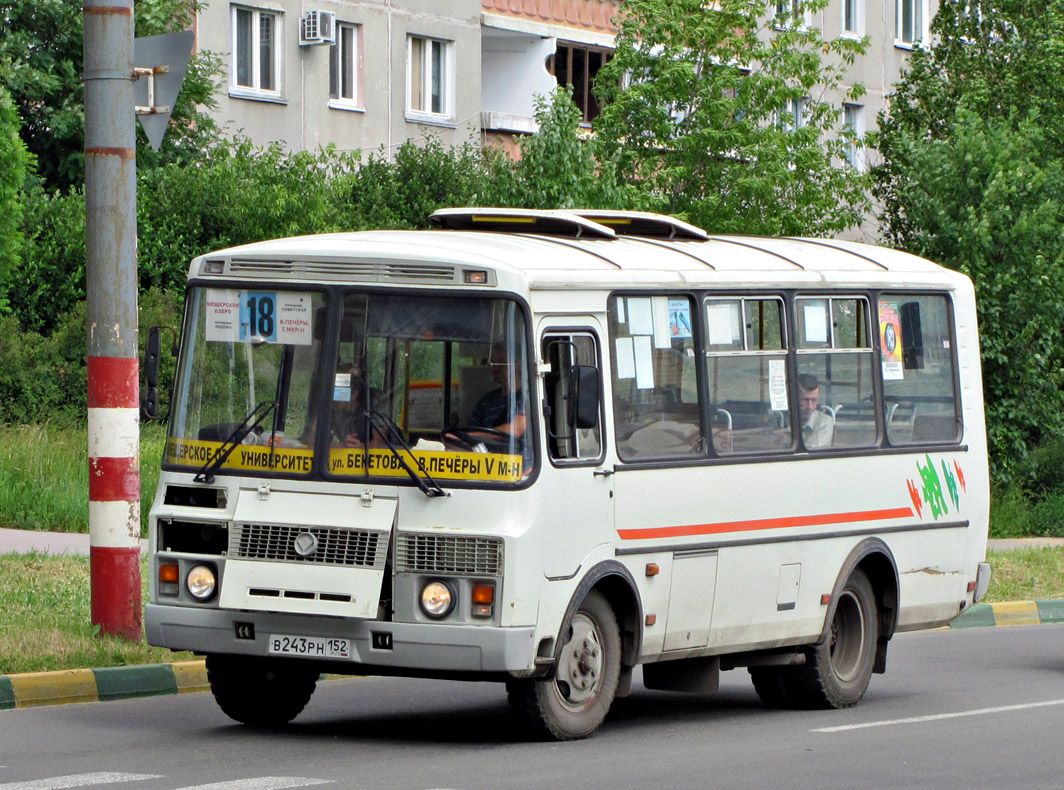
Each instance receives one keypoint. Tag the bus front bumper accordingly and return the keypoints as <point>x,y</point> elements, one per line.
<point>422,647</point>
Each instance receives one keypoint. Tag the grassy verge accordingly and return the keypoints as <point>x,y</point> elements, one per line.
<point>45,616</point>
<point>44,476</point>
<point>45,619</point>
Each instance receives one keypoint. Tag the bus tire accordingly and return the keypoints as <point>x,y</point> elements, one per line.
<point>774,685</point>
<point>837,671</point>
<point>260,692</point>
<point>574,701</point>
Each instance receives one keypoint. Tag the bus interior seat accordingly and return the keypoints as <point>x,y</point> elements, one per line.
<point>663,438</point>
<point>934,428</point>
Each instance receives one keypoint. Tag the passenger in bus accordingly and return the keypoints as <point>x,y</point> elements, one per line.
<point>817,427</point>
<point>502,409</point>
<point>347,423</point>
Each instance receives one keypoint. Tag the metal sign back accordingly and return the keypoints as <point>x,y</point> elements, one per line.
<point>160,65</point>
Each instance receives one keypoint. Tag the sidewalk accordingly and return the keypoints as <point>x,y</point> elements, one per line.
<point>114,683</point>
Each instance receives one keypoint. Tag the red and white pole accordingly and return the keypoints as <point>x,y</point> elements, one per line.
<point>111,299</point>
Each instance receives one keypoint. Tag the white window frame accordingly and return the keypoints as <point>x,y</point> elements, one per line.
<point>857,23</point>
<point>919,32</point>
<point>853,118</point>
<point>789,7</point>
<point>792,117</point>
<point>419,108</point>
<point>255,89</point>
<point>346,56</point>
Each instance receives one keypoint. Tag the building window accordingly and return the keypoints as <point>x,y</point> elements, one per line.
<point>256,52</point>
<point>577,66</point>
<point>791,13</point>
<point>792,117</point>
<point>911,19</point>
<point>345,67</point>
<point>429,91</point>
<point>852,124</point>
<point>853,17</point>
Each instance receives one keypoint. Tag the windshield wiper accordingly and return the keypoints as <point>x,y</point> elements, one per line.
<point>431,488</point>
<point>250,423</point>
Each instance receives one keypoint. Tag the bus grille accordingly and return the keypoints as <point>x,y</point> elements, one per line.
<point>449,554</point>
<point>335,546</point>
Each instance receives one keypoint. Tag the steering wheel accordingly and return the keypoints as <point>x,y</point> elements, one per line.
<point>469,437</point>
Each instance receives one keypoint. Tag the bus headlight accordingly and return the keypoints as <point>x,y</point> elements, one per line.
<point>201,582</point>
<point>438,599</point>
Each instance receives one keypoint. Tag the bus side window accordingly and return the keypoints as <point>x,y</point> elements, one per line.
<point>746,362</point>
<point>570,355</point>
<point>655,382</point>
<point>920,399</point>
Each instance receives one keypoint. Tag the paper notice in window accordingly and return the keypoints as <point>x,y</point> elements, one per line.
<point>890,341</point>
<point>644,363</point>
<point>816,322</point>
<point>777,384</point>
<point>223,315</point>
<point>723,324</point>
<point>625,358</point>
<point>640,317</point>
<point>293,318</point>
<point>662,334</point>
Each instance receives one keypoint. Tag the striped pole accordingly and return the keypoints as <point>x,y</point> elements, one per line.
<point>111,298</point>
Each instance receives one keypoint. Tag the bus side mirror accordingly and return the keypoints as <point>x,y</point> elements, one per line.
<point>149,402</point>
<point>584,384</point>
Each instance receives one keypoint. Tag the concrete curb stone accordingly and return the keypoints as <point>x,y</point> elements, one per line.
<point>149,680</point>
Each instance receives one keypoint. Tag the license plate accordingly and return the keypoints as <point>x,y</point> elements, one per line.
<point>309,646</point>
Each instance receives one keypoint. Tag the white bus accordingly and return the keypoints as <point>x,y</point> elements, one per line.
<point>549,447</point>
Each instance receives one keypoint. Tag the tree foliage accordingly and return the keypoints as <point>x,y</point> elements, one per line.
<point>14,161</point>
<point>41,66</point>
<point>972,176</point>
<point>694,100</point>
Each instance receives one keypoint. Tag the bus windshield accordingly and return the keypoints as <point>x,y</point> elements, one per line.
<point>391,386</point>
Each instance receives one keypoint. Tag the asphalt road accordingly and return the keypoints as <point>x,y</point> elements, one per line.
<point>964,709</point>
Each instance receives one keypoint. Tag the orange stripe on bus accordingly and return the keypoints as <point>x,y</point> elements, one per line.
<point>763,523</point>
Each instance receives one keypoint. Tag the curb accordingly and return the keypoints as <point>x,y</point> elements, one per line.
<point>101,685</point>
<point>1011,613</point>
<point>185,677</point>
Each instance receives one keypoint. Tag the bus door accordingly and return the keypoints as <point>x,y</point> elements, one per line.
<point>576,494</point>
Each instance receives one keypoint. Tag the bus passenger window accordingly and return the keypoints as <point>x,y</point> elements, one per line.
<point>836,404</point>
<point>919,392</point>
<point>566,439</point>
<point>746,361</point>
<point>655,384</point>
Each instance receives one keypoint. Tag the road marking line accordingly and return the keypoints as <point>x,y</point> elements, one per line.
<point>936,717</point>
<point>259,783</point>
<point>77,780</point>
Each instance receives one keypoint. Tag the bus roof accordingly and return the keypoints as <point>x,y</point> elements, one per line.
<point>571,249</point>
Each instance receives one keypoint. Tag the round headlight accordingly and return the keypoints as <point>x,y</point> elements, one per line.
<point>437,599</point>
<point>201,582</point>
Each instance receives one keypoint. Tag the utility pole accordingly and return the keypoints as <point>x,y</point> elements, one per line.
<point>111,296</point>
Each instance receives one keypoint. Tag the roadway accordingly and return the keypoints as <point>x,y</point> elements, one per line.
<point>958,709</point>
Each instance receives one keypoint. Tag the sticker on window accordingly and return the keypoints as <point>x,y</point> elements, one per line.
<point>890,341</point>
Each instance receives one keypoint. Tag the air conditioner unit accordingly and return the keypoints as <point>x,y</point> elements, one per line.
<point>317,27</point>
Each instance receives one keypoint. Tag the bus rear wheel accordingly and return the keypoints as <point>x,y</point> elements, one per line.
<point>260,692</point>
<point>837,671</point>
<point>575,700</point>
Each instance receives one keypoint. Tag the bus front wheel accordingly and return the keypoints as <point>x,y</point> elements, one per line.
<point>260,692</point>
<point>575,700</point>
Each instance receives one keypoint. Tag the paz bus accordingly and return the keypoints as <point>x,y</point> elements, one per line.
<point>547,448</point>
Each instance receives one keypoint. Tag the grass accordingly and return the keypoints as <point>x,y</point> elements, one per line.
<point>45,619</point>
<point>44,476</point>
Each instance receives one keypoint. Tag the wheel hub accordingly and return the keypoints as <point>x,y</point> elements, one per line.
<point>579,671</point>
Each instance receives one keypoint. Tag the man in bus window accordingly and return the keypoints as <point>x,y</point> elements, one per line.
<point>502,409</point>
<point>817,427</point>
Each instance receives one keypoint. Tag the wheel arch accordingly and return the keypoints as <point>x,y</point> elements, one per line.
<point>616,584</point>
<point>876,560</point>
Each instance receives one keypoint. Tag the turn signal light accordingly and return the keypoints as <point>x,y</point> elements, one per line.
<point>483,600</point>
<point>168,574</point>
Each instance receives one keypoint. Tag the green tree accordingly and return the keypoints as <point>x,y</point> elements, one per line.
<point>730,115</point>
<point>41,65</point>
<point>972,176</point>
<point>14,161</point>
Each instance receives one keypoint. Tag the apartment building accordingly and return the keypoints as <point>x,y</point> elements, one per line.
<point>367,74</point>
